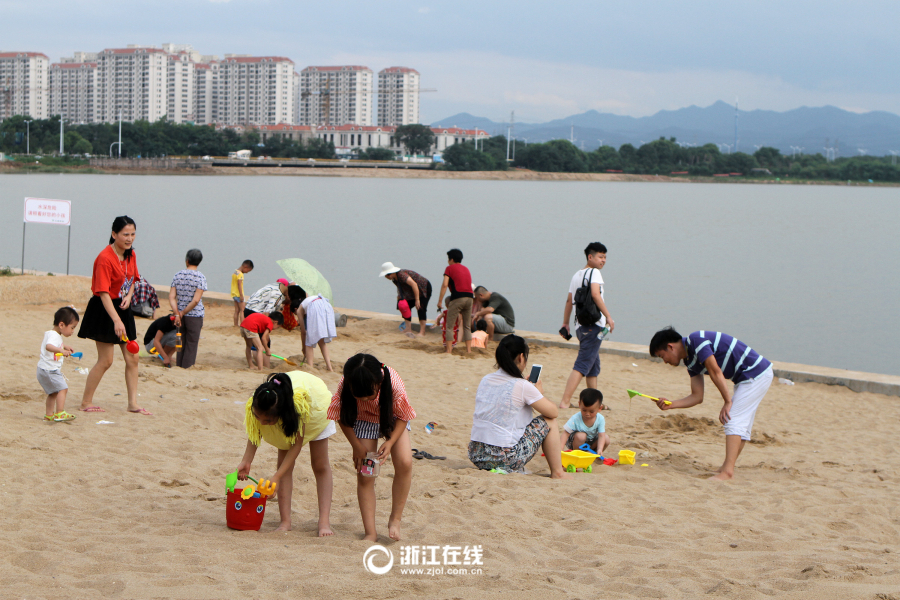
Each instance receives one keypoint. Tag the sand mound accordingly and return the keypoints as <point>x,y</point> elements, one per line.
<point>681,423</point>
<point>35,289</point>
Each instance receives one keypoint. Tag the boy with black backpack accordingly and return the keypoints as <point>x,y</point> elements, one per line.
<point>591,316</point>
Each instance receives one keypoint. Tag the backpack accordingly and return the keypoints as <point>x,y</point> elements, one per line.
<point>586,311</point>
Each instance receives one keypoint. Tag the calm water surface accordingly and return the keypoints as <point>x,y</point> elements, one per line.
<point>807,274</point>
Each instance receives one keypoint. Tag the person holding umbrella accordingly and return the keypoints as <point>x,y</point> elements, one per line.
<point>413,290</point>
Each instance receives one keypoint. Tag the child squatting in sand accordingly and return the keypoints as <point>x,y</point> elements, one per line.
<point>255,330</point>
<point>371,403</point>
<point>586,426</point>
<point>288,411</point>
<point>49,369</point>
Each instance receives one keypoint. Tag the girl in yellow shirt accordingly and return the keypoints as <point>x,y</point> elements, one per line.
<point>288,411</point>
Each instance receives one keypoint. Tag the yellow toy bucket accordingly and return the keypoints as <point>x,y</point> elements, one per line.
<point>626,457</point>
<point>579,459</point>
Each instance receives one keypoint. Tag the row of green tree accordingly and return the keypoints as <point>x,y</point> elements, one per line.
<point>664,157</point>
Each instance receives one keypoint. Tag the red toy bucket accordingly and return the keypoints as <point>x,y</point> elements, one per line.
<point>246,515</point>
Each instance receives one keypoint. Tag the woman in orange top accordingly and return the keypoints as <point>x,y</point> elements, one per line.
<point>108,317</point>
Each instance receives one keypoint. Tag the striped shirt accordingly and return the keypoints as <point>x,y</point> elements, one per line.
<point>737,360</point>
<point>368,411</point>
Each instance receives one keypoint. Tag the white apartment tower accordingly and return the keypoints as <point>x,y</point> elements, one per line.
<point>131,81</point>
<point>398,96</point>
<point>73,93</point>
<point>203,94</point>
<point>180,82</point>
<point>253,90</point>
<point>24,83</point>
<point>337,96</point>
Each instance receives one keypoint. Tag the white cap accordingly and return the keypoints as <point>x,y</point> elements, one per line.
<point>388,268</point>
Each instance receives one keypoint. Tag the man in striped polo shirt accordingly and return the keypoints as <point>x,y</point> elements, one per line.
<point>721,357</point>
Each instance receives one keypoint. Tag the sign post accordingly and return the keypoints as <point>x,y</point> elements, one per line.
<point>51,212</point>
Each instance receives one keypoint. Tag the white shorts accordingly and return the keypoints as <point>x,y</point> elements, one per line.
<point>744,402</point>
<point>329,431</point>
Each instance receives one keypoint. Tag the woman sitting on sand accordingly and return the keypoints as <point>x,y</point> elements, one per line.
<point>107,318</point>
<point>504,434</point>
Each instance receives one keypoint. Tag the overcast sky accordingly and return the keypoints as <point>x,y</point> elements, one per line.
<point>545,60</point>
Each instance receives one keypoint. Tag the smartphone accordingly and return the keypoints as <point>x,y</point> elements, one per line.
<point>535,373</point>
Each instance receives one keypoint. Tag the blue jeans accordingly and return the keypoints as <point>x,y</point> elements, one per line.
<point>588,361</point>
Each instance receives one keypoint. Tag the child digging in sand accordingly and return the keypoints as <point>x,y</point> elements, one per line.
<point>288,411</point>
<point>721,357</point>
<point>49,369</point>
<point>255,331</point>
<point>586,426</point>
<point>237,290</point>
<point>316,322</point>
<point>371,403</point>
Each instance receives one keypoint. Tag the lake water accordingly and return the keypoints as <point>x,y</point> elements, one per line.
<point>807,274</point>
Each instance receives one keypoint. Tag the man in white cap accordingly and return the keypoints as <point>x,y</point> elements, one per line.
<point>413,291</point>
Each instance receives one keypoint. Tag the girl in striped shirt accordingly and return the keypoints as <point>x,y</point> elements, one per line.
<point>371,403</point>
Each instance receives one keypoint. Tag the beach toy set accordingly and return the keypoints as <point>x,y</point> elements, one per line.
<point>584,458</point>
<point>132,345</point>
<point>245,507</point>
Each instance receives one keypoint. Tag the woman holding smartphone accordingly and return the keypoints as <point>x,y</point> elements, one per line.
<point>505,432</point>
<point>108,318</point>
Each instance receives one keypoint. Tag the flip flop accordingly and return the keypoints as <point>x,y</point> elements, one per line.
<point>141,411</point>
<point>92,409</point>
<point>420,454</point>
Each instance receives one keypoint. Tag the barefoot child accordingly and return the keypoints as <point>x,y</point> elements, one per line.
<point>371,403</point>
<point>587,426</point>
<point>721,357</point>
<point>288,411</point>
<point>237,290</point>
<point>255,330</point>
<point>49,369</point>
<point>316,322</point>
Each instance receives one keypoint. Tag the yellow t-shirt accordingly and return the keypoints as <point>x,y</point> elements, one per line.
<point>311,400</point>
<point>235,278</point>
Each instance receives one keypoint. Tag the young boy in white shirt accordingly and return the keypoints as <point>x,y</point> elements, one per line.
<point>49,369</point>
<point>586,426</point>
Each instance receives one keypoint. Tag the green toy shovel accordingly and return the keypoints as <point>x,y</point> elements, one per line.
<point>632,394</point>
<point>231,480</point>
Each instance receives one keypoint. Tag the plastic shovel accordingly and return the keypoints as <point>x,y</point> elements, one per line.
<point>232,478</point>
<point>132,346</point>
<point>632,394</point>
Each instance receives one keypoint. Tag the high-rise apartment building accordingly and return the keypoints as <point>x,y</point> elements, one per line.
<point>73,88</point>
<point>203,94</point>
<point>24,84</point>
<point>132,82</point>
<point>337,96</point>
<point>180,82</point>
<point>254,90</point>
<point>398,96</point>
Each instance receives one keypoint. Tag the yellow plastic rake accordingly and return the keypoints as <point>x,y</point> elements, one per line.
<point>632,394</point>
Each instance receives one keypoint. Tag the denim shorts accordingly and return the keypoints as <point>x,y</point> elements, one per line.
<point>588,361</point>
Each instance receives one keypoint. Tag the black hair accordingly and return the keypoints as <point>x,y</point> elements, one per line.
<point>455,255</point>
<point>663,338</point>
<point>275,398</point>
<point>594,248</point>
<point>296,294</point>
<point>590,397</point>
<point>481,325</point>
<point>363,373</point>
<point>480,290</point>
<point>193,257</point>
<point>507,350</point>
<point>118,225</point>
<point>65,315</point>
<point>277,317</point>
<point>247,263</point>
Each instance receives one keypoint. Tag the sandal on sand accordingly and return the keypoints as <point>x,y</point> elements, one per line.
<point>63,416</point>
<point>141,411</point>
<point>420,454</point>
<point>92,409</point>
<point>49,417</point>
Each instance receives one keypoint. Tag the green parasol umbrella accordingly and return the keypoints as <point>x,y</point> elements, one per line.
<point>306,276</point>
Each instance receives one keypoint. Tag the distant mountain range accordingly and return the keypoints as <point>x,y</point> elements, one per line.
<point>876,133</point>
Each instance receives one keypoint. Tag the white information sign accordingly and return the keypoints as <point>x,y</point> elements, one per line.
<point>54,212</point>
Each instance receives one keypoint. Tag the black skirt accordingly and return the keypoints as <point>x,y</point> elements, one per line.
<point>98,326</point>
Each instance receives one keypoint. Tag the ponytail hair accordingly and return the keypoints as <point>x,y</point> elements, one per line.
<point>118,225</point>
<point>275,398</point>
<point>507,350</point>
<point>364,375</point>
<point>296,295</point>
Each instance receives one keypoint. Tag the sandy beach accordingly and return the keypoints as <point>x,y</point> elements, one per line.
<point>136,508</point>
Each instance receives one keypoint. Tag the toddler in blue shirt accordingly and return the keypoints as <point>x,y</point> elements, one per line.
<point>586,426</point>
